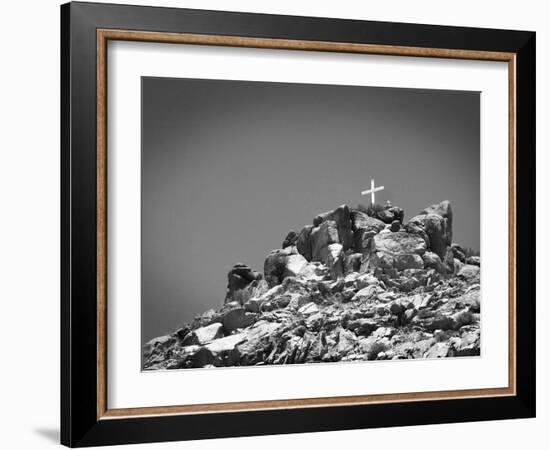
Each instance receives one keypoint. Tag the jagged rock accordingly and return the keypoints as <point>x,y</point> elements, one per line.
<point>321,237</point>
<point>237,318</point>
<point>361,220</point>
<point>444,210</point>
<point>256,346</point>
<point>314,271</point>
<point>468,272</point>
<point>283,263</point>
<point>290,239</point>
<point>294,265</point>
<point>238,278</point>
<point>434,227</point>
<point>341,216</point>
<point>399,243</point>
<point>204,335</point>
<point>303,243</point>
<point>364,228</point>
<point>224,350</point>
<point>393,213</point>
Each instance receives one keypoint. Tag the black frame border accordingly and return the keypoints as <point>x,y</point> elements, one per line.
<point>79,423</point>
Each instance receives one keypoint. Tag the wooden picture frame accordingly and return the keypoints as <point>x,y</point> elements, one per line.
<point>86,418</point>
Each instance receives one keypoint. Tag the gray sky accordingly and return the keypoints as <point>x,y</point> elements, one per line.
<point>230,166</point>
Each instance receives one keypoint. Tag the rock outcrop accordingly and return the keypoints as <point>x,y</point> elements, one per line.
<point>239,277</point>
<point>348,287</point>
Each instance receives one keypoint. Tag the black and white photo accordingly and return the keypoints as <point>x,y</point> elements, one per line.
<point>308,223</point>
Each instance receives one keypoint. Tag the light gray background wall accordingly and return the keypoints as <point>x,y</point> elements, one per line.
<point>230,166</point>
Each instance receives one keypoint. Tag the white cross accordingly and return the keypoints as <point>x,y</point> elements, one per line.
<point>372,190</point>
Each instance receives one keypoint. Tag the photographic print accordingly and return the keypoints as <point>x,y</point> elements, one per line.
<point>287,223</point>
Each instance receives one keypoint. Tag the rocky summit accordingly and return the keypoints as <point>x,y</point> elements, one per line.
<point>354,285</point>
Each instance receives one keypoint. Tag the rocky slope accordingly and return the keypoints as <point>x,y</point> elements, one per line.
<point>351,286</point>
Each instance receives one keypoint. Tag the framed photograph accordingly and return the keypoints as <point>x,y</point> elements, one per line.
<point>276,224</point>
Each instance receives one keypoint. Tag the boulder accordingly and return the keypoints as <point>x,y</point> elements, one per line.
<point>382,260</point>
<point>458,253</point>
<point>290,239</point>
<point>361,220</point>
<point>341,216</point>
<point>238,278</point>
<point>395,226</point>
<point>409,261</point>
<point>433,228</point>
<point>433,261</point>
<point>364,228</point>
<point>275,266</point>
<point>399,243</point>
<point>303,242</point>
<point>321,237</point>
<point>204,335</point>
<point>294,265</point>
<point>390,214</point>
<point>282,263</point>
<point>444,210</point>
<point>224,350</point>
<point>237,318</point>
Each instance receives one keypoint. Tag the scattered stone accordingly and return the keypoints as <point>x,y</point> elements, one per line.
<point>290,239</point>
